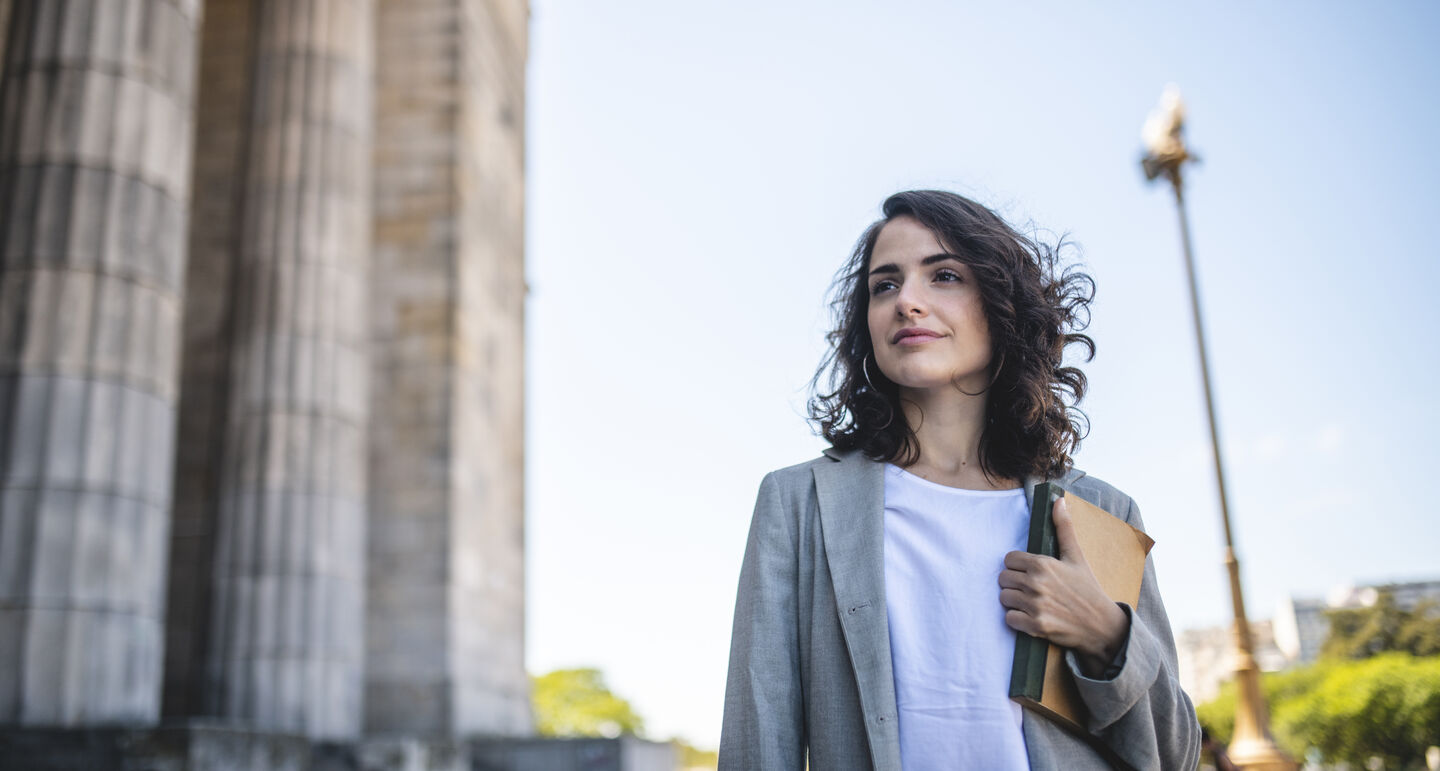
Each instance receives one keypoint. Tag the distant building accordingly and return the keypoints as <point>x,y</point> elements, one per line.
<point>1407,595</point>
<point>1293,638</point>
<point>1207,657</point>
<point>1300,628</point>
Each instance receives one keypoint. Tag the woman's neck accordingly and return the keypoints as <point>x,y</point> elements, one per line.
<point>948,426</point>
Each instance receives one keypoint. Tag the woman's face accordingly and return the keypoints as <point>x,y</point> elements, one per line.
<point>926,315</point>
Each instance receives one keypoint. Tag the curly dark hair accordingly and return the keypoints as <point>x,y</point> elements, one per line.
<point>1035,310</point>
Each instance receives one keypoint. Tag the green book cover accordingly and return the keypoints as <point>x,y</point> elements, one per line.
<point>1027,676</point>
<point>1116,551</point>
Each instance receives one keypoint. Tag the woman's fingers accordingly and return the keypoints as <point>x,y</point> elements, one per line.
<point>1061,601</point>
<point>1014,579</point>
<point>1014,599</point>
<point>1065,536</point>
<point>1028,612</point>
<point>1023,561</point>
<point>1021,622</point>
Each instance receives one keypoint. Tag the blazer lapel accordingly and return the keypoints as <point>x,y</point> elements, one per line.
<point>851,494</point>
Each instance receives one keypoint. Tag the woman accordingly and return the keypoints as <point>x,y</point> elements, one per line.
<point>883,582</point>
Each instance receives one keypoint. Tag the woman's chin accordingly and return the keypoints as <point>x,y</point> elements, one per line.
<point>941,387</point>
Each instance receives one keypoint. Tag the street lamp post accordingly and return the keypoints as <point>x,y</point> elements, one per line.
<point>1251,747</point>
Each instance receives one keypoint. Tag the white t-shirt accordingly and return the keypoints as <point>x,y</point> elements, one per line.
<point>949,645</point>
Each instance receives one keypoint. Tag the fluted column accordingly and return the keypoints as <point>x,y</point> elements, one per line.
<point>95,129</point>
<point>285,649</point>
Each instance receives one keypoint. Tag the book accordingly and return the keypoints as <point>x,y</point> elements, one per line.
<point>1116,551</point>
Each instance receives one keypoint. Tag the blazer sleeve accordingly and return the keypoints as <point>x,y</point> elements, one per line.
<point>1141,712</point>
<point>764,724</point>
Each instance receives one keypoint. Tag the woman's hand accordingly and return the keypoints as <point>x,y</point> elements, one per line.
<point>1061,600</point>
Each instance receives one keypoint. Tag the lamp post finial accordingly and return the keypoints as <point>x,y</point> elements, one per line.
<point>1163,134</point>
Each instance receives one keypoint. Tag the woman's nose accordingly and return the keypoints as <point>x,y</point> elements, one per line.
<point>909,301</point>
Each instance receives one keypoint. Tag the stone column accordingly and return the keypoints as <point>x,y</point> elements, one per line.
<point>285,650</point>
<point>95,131</point>
<point>445,617</point>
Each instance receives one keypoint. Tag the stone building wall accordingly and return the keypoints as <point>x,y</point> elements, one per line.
<point>488,544</point>
<point>446,464</point>
<point>4,25</point>
<point>408,677</point>
<point>321,309</point>
<point>222,110</point>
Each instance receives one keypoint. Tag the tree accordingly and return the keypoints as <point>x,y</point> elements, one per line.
<point>1387,705</point>
<point>1357,633</point>
<point>576,702</point>
<point>1374,692</point>
<point>691,757</point>
<point>1420,634</point>
<point>1218,714</point>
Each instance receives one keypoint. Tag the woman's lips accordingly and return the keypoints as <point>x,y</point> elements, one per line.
<point>914,336</point>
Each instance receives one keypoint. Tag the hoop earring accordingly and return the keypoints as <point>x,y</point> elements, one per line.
<point>865,370</point>
<point>993,379</point>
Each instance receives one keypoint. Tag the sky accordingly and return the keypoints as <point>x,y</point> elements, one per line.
<point>698,172</point>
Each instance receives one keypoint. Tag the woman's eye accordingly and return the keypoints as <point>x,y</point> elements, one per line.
<point>880,287</point>
<point>948,275</point>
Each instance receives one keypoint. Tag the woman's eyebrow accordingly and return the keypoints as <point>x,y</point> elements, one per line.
<point>891,267</point>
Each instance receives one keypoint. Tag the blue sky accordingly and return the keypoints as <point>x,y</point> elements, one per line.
<point>699,170</point>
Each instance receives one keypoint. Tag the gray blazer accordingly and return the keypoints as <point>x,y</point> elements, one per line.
<point>810,651</point>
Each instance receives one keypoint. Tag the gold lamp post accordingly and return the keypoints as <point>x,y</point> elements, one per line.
<point>1252,746</point>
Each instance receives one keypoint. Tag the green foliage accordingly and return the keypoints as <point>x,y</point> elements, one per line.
<point>576,702</point>
<point>690,757</point>
<point>1280,688</point>
<point>1374,692</point>
<point>1358,633</point>
<point>1387,705</point>
<point>1420,634</point>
